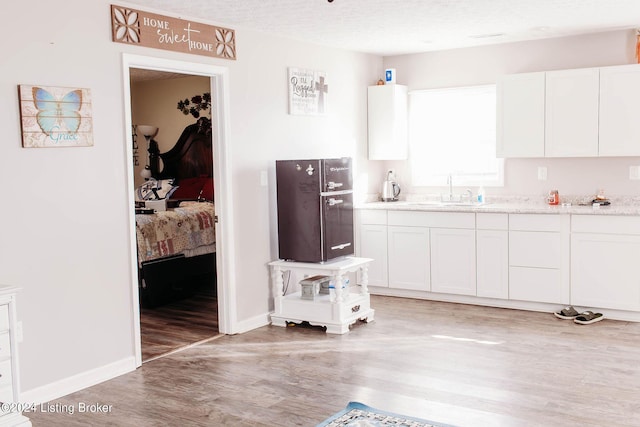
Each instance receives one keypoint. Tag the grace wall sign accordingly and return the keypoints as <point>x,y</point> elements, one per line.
<point>55,116</point>
<point>133,26</point>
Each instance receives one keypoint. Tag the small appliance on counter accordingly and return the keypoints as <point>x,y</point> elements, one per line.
<point>390,189</point>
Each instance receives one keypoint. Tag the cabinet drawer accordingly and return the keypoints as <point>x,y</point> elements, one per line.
<point>605,224</point>
<point>371,216</point>
<point>433,219</point>
<point>535,284</point>
<point>4,318</point>
<point>5,373</point>
<point>535,222</point>
<point>534,249</point>
<point>492,221</point>
<point>6,395</point>
<point>5,345</point>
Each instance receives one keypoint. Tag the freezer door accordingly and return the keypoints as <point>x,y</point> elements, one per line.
<point>337,175</point>
<point>337,225</point>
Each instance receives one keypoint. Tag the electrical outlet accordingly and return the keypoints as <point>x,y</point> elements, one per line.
<point>634,172</point>
<point>542,173</point>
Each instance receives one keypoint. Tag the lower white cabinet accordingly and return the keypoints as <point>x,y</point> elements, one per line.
<point>409,258</point>
<point>453,261</point>
<point>371,237</point>
<point>605,262</point>
<point>539,258</point>
<point>10,413</point>
<point>492,255</point>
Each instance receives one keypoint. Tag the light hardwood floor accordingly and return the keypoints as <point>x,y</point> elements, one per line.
<point>458,364</point>
<point>171,326</point>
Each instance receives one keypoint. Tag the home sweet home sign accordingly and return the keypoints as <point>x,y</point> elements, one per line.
<point>141,28</point>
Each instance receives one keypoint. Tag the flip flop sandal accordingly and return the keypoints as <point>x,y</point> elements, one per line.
<point>567,313</point>
<point>588,317</point>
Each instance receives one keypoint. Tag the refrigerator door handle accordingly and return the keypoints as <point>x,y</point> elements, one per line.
<point>333,202</point>
<point>333,185</point>
<point>342,246</point>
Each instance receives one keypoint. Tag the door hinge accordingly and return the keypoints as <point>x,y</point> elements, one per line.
<point>215,219</point>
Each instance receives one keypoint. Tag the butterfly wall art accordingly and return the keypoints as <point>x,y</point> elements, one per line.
<point>55,116</point>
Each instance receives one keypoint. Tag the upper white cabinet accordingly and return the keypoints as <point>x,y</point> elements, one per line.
<point>387,122</point>
<point>619,111</point>
<point>571,114</point>
<point>520,115</point>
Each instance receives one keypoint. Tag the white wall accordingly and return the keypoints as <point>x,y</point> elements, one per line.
<point>483,65</point>
<point>65,236</point>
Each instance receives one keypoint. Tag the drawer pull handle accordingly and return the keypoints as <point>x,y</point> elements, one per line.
<point>355,308</point>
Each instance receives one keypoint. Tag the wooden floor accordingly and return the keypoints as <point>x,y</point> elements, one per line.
<point>458,364</point>
<point>172,326</point>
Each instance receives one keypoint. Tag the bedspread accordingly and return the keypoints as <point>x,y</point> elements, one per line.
<point>175,231</point>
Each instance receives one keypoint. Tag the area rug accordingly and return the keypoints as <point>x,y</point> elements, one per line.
<point>359,415</point>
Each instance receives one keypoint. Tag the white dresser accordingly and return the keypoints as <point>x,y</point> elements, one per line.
<point>10,406</point>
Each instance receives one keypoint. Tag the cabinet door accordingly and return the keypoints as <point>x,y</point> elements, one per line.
<point>571,113</point>
<point>373,244</point>
<point>605,271</point>
<point>387,122</point>
<point>520,115</point>
<point>409,258</point>
<point>492,263</point>
<point>619,111</point>
<point>453,261</point>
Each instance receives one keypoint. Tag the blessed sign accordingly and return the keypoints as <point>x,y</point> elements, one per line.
<point>132,26</point>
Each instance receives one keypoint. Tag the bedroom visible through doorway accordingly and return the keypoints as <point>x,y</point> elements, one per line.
<point>178,295</point>
<point>211,269</point>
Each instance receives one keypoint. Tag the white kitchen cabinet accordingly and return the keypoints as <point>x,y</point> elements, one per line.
<point>571,113</point>
<point>453,261</point>
<point>539,250</point>
<point>520,115</point>
<point>372,243</point>
<point>605,262</point>
<point>492,255</point>
<point>619,111</point>
<point>409,257</point>
<point>11,412</point>
<point>388,122</point>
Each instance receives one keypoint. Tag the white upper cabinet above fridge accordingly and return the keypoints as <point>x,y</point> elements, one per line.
<point>388,122</point>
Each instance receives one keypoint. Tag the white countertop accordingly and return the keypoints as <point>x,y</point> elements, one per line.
<point>514,208</point>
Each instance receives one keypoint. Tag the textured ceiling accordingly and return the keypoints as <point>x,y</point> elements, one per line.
<point>390,27</point>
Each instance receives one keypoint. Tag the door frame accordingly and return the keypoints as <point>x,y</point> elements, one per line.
<point>225,252</point>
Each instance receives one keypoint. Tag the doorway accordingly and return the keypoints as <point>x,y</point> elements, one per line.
<point>221,175</point>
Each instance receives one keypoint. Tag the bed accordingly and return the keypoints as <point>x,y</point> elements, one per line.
<point>176,246</point>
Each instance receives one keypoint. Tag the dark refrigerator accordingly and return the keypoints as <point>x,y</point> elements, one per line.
<point>315,209</point>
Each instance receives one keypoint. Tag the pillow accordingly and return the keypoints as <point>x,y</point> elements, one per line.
<point>189,188</point>
<point>164,188</point>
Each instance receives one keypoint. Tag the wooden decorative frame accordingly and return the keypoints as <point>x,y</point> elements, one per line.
<point>55,116</point>
<point>308,92</point>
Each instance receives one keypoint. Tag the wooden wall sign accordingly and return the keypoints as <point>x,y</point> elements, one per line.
<point>132,26</point>
<point>55,116</point>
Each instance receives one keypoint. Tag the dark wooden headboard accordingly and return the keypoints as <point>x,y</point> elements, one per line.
<point>192,156</point>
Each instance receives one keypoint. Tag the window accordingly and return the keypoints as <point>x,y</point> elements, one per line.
<point>453,132</point>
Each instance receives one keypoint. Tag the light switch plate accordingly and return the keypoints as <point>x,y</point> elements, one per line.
<point>634,172</point>
<point>264,179</point>
<point>542,173</point>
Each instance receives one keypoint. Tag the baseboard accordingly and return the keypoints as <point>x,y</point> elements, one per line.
<point>251,324</point>
<point>58,389</point>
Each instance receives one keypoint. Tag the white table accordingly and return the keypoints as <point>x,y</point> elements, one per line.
<point>335,312</point>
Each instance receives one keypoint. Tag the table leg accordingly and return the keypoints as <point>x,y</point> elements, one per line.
<point>338,288</point>
<point>364,280</point>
